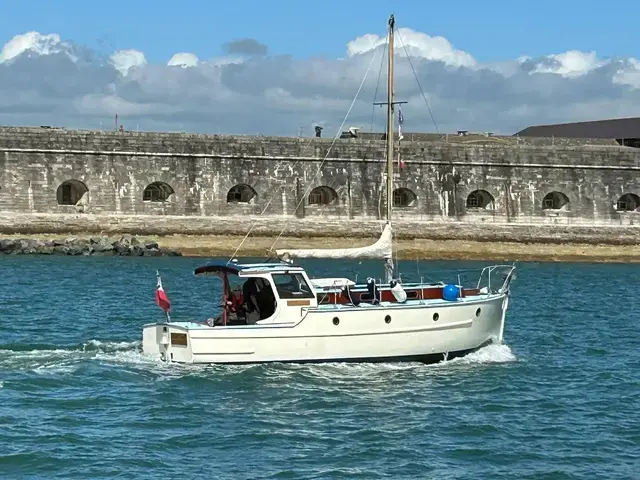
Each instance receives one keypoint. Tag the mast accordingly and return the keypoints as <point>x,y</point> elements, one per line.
<point>390,109</point>
<point>390,103</point>
<point>388,262</point>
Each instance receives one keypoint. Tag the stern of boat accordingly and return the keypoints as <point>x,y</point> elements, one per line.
<point>169,342</point>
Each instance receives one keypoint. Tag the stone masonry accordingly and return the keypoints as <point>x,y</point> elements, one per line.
<point>57,179</point>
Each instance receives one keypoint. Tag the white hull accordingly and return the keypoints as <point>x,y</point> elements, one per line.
<point>362,334</point>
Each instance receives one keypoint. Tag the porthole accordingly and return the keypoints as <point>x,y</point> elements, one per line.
<point>478,311</point>
<point>435,317</point>
<point>387,319</point>
<point>336,320</point>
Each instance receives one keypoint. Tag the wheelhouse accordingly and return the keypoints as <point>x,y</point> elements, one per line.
<point>260,292</point>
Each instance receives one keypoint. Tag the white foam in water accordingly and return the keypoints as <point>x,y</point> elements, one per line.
<point>61,361</point>
<point>66,361</point>
<point>494,353</point>
<point>55,369</point>
<point>331,372</point>
<point>110,346</point>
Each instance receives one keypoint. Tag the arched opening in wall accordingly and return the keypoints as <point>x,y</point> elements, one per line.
<point>322,195</point>
<point>241,194</point>
<point>480,199</point>
<point>629,202</point>
<point>403,197</point>
<point>70,192</point>
<point>555,201</point>
<point>157,192</point>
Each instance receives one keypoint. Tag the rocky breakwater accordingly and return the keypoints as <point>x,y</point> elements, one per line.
<point>99,246</point>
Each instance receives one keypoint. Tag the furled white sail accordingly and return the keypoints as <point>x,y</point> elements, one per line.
<point>381,249</point>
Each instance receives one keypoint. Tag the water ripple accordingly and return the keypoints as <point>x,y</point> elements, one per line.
<point>78,399</point>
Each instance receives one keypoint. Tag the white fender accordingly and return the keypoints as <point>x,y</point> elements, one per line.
<point>398,291</point>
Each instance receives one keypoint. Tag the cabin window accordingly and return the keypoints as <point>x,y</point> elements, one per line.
<point>292,285</point>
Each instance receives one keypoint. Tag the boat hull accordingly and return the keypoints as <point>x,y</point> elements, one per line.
<point>419,331</point>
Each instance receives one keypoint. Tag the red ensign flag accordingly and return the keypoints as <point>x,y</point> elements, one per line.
<point>161,297</point>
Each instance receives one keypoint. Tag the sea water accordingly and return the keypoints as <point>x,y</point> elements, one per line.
<point>559,399</point>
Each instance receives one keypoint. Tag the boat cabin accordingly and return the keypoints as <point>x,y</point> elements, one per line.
<point>260,292</point>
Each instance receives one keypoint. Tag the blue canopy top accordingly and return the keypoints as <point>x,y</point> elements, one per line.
<point>217,267</point>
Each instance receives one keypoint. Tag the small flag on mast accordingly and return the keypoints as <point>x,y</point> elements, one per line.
<point>161,297</point>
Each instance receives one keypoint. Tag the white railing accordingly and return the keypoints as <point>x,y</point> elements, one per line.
<point>496,278</point>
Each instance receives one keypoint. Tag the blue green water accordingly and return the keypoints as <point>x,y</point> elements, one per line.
<point>561,398</point>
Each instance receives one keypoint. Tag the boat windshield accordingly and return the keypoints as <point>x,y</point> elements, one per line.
<point>292,285</point>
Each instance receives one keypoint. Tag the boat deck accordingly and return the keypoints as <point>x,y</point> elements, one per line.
<point>191,325</point>
<point>412,302</point>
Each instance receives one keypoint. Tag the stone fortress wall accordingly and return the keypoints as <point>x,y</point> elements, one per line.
<point>57,179</point>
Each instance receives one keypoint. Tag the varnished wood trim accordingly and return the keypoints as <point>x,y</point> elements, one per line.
<point>298,303</point>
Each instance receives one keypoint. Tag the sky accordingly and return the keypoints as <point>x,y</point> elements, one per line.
<point>282,67</point>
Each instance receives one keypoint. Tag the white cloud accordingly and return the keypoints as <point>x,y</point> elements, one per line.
<point>124,60</point>
<point>628,74</point>
<point>417,44</point>
<point>44,80</point>
<point>570,64</point>
<point>32,43</point>
<point>183,60</point>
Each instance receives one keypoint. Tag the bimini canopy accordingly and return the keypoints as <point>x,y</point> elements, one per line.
<point>214,269</point>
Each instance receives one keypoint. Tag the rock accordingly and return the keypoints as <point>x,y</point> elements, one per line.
<point>27,246</point>
<point>169,252</point>
<point>75,250</point>
<point>127,245</point>
<point>60,250</point>
<point>106,253</point>
<point>81,242</point>
<point>121,249</point>
<point>102,246</point>
<point>125,240</point>
<point>7,246</point>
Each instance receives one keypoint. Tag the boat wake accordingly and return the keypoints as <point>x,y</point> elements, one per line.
<point>43,358</point>
<point>59,360</point>
<point>490,354</point>
<point>494,353</point>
